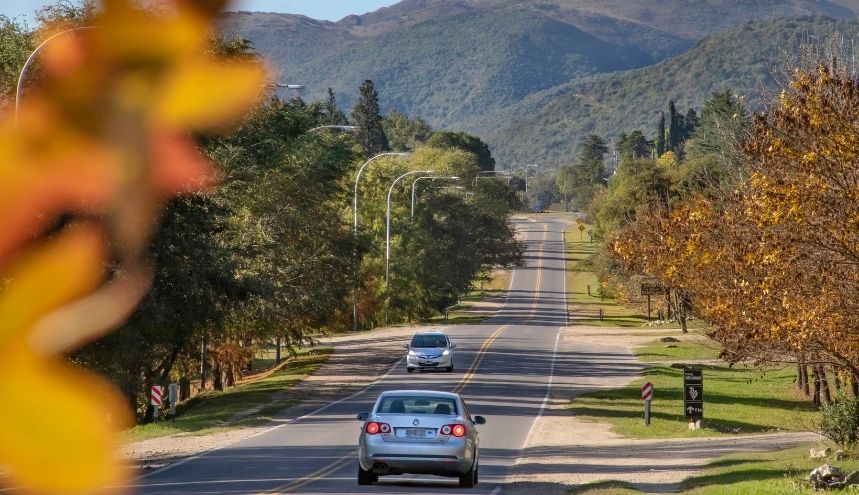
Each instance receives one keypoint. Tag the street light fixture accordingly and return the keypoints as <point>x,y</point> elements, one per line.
<point>496,172</point>
<point>355,232</point>
<point>297,87</point>
<point>388,221</point>
<point>430,177</point>
<point>20,87</point>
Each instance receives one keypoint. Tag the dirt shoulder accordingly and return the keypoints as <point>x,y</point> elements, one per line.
<point>358,361</point>
<point>563,451</point>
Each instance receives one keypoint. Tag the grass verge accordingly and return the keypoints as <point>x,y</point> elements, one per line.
<point>684,349</point>
<point>266,397</point>
<point>464,313</point>
<point>584,307</point>
<point>767,473</point>
<point>736,400</point>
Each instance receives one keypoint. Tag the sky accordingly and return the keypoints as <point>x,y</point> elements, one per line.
<point>331,10</point>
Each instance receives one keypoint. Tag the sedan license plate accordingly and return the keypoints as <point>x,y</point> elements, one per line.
<point>422,433</point>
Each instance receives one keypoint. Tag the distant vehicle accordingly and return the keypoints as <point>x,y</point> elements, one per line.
<point>419,432</point>
<point>430,350</point>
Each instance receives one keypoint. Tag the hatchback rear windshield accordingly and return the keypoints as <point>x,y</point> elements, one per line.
<point>429,341</point>
<point>399,404</point>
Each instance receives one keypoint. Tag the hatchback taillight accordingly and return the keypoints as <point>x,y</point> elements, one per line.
<point>455,430</point>
<point>374,428</point>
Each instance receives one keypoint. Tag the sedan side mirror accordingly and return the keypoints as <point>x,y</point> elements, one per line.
<point>363,416</point>
<point>405,346</point>
<point>479,420</point>
<point>452,345</point>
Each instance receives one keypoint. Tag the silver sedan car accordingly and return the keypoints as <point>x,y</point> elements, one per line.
<point>429,350</point>
<point>419,432</point>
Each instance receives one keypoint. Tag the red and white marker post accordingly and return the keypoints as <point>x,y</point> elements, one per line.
<point>156,398</point>
<point>647,396</point>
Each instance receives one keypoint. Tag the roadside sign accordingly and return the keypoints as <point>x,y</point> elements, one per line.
<point>653,289</point>
<point>693,393</point>
<point>647,391</point>
<point>156,395</point>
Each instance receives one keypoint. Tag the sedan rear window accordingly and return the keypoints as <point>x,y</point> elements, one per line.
<point>429,341</point>
<point>398,404</point>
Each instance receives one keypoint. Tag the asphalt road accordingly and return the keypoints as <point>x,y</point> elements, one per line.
<point>504,368</point>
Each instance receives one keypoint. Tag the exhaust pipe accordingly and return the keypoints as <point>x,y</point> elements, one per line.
<point>380,468</point>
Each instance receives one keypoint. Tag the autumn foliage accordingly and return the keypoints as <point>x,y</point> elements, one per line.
<point>772,263</point>
<point>99,145</point>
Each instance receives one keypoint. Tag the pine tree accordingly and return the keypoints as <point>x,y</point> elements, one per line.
<point>673,127</point>
<point>365,115</point>
<point>333,114</point>
<point>660,136</point>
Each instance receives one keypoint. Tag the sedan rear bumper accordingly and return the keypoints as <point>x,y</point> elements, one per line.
<point>449,459</point>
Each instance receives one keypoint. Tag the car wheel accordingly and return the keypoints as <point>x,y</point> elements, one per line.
<point>469,478</point>
<point>366,477</point>
<point>410,370</point>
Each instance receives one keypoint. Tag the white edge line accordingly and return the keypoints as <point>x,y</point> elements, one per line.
<point>496,491</point>
<point>317,411</point>
<point>272,428</point>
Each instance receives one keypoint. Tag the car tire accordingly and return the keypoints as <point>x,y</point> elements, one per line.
<point>366,477</point>
<point>410,370</point>
<point>449,369</point>
<point>469,478</point>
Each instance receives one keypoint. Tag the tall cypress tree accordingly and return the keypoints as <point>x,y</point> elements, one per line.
<point>333,114</point>
<point>660,136</point>
<point>365,115</point>
<point>673,127</point>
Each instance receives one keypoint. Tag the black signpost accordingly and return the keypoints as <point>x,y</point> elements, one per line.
<point>652,289</point>
<point>693,394</point>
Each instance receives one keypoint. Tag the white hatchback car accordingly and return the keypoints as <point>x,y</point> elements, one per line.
<point>430,350</point>
<point>419,432</point>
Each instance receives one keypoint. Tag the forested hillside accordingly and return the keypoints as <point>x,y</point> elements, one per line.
<point>513,70</point>
<point>548,128</point>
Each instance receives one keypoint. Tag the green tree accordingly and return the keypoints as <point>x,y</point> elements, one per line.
<point>365,115</point>
<point>333,114</point>
<point>660,135</point>
<point>405,134</point>
<point>465,142</point>
<point>674,127</point>
<point>15,46</point>
<point>724,127</point>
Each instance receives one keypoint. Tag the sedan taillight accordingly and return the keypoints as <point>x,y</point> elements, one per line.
<point>455,430</point>
<point>374,428</point>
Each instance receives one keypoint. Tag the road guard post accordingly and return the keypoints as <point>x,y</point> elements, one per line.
<point>647,396</point>
<point>156,398</point>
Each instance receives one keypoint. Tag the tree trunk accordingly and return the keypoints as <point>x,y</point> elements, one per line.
<point>806,390</point>
<point>800,379</point>
<point>835,380</point>
<point>278,342</point>
<point>854,385</point>
<point>824,383</point>
<point>815,399</point>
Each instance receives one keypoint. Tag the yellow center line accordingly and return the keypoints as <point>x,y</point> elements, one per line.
<point>314,476</point>
<point>467,377</point>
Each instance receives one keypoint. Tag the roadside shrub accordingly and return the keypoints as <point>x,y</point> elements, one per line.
<point>839,421</point>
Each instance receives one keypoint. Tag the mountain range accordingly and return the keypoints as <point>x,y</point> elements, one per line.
<point>533,77</point>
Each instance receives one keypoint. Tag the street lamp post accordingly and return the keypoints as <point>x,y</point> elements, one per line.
<point>527,198</point>
<point>431,177</point>
<point>388,221</point>
<point>20,87</point>
<point>355,232</point>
